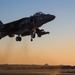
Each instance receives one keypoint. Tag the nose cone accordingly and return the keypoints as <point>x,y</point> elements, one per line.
<point>48,18</point>
<point>51,17</point>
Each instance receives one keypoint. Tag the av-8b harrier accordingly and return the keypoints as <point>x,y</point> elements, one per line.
<point>26,26</point>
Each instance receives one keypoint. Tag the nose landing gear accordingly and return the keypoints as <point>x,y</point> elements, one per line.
<point>32,36</point>
<point>31,39</point>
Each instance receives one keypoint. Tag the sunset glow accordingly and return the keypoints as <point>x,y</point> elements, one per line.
<point>57,48</point>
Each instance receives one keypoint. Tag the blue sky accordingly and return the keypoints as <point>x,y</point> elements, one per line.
<point>62,37</point>
<point>15,9</point>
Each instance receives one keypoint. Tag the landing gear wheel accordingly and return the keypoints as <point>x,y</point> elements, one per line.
<point>18,38</point>
<point>31,39</point>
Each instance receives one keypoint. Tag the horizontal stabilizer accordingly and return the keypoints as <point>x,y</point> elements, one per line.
<point>1,23</point>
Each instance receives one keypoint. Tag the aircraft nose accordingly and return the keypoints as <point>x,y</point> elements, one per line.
<point>48,17</point>
<point>53,17</point>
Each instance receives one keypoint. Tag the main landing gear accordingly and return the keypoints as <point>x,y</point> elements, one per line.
<point>18,38</point>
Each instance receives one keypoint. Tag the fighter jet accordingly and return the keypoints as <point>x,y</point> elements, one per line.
<point>26,26</point>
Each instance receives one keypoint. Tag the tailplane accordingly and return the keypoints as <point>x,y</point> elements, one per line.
<point>1,23</point>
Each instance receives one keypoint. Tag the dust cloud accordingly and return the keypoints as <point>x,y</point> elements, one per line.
<point>6,51</point>
<point>55,72</point>
<point>9,47</point>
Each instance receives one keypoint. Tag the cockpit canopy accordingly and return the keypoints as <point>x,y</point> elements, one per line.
<point>38,14</point>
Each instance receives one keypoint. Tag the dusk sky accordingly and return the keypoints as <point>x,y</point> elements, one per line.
<point>57,48</point>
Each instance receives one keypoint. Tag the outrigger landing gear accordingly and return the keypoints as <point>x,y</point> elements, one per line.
<point>18,38</point>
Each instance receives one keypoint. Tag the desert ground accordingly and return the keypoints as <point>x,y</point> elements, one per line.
<point>35,70</point>
<point>38,72</point>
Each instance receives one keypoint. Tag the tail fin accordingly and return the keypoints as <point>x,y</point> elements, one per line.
<point>1,23</point>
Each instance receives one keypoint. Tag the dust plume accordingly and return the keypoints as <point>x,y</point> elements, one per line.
<point>56,72</point>
<point>6,51</point>
<point>9,49</point>
<point>24,46</point>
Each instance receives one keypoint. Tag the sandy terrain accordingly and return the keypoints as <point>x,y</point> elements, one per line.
<point>37,72</point>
